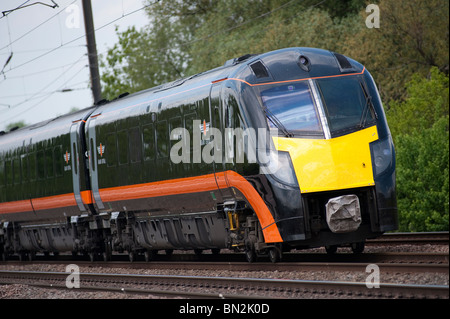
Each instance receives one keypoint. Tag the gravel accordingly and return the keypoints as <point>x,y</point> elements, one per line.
<point>20,291</point>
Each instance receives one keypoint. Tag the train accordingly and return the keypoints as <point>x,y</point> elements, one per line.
<point>288,149</point>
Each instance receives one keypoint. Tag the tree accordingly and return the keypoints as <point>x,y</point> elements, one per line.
<point>420,128</point>
<point>427,102</point>
<point>156,54</point>
<point>423,178</point>
<point>15,124</point>
<point>413,37</point>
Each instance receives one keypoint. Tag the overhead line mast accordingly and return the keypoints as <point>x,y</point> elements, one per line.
<point>92,50</point>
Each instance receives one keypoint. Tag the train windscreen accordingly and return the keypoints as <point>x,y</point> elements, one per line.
<point>291,106</point>
<point>346,103</point>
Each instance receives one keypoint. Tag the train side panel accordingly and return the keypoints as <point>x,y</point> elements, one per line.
<point>38,171</point>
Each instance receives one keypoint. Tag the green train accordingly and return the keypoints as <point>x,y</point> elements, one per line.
<point>284,150</point>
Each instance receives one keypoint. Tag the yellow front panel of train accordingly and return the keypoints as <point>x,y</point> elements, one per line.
<point>337,163</point>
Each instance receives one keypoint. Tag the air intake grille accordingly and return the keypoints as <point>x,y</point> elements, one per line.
<point>260,70</point>
<point>343,62</point>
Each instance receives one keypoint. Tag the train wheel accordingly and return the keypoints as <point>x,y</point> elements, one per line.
<point>215,251</point>
<point>169,252</point>
<point>107,253</point>
<point>274,255</point>
<point>149,255</point>
<point>358,248</point>
<point>106,256</point>
<point>250,255</point>
<point>131,256</point>
<point>331,249</point>
<point>22,256</point>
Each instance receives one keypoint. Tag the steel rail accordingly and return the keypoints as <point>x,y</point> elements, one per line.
<point>411,238</point>
<point>380,257</point>
<point>254,287</point>
<point>262,266</point>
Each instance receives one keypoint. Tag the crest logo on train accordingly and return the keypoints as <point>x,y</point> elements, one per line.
<point>66,157</point>
<point>101,149</point>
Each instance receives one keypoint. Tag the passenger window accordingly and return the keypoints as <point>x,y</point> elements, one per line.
<point>59,160</point>
<point>111,150</point>
<point>40,164</point>
<point>2,174</point>
<point>189,125</point>
<point>24,165</point>
<point>122,142</point>
<point>8,173</point>
<point>162,140</point>
<point>135,143</point>
<point>49,162</point>
<point>16,171</point>
<point>148,137</point>
<point>32,166</point>
<point>175,123</point>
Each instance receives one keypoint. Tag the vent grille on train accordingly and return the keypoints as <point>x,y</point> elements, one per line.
<point>343,62</point>
<point>260,70</point>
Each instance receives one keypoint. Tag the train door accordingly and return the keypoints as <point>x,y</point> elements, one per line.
<point>93,149</point>
<point>73,155</point>
<point>215,107</point>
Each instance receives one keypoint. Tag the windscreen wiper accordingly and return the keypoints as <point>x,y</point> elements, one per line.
<point>272,118</point>
<point>367,106</point>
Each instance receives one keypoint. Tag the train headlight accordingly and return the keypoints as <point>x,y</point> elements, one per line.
<point>279,166</point>
<point>382,155</point>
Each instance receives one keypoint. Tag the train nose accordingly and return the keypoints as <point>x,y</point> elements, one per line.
<point>331,164</point>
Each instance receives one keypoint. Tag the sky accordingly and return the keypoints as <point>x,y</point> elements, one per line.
<point>47,74</point>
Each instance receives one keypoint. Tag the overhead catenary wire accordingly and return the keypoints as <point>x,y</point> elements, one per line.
<point>49,95</point>
<point>49,84</point>
<point>38,26</point>
<point>55,5</point>
<point>9,11</point>
<point>79,37</point>
<point>41,71</point>
<point>34,96</point>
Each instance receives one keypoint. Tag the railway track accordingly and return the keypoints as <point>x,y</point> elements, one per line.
<point>389,262</point>
<point>225,287</point>
<point>411,263</point>
<point>419,238</point>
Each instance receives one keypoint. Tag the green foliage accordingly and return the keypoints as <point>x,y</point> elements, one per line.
<point>427,101</point>
<point>413,37</point>
<point>15,124</point>
<point>419,126</point>
<point>423,178</point>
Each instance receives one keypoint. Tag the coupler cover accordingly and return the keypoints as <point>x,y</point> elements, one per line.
<point>343,214</point>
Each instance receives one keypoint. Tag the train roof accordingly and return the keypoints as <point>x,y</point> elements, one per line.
<point>251,69</point>
<point>44,130</point>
